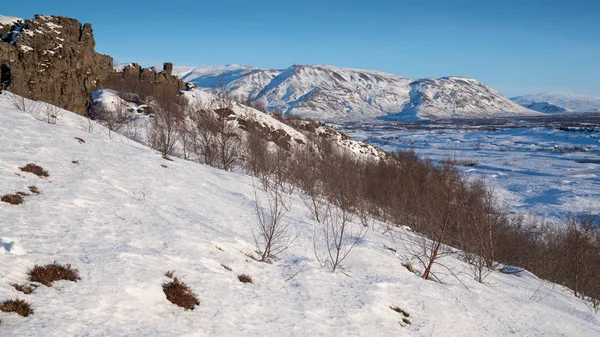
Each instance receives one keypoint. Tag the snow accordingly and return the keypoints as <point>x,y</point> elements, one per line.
<point>8,20</point>
<point>123,220</point>
<point>569,102</point>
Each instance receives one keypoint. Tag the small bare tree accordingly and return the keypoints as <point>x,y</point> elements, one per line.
<point>337,235</point>
<point>214,137</point>
<point>273,234</point>
<point>24,104</point>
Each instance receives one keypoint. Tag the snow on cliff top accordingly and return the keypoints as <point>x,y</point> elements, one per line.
<point>123,216</point>
<point>8,20</point>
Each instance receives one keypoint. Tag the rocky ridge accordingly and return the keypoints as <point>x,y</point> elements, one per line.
<point>53,59</point>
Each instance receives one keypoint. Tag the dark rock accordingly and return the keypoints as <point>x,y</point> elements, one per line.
<point>52,59</point>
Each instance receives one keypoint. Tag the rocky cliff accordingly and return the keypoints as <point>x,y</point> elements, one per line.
<point>52,59</point>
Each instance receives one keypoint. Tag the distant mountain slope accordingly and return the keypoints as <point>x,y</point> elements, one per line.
<point>556,102</point>
<point>329,93</point>
<point>244,80</point>
<point>458,97</point>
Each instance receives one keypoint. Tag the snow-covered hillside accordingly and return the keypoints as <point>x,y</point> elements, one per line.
<point>272,129</point>
<point>123,216</point>
<point>556,102</point>
<point>330,93</point>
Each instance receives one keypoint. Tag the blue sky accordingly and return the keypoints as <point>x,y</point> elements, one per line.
<point>516,47</point>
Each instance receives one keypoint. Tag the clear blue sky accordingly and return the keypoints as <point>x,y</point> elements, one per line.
<point>516,47</point>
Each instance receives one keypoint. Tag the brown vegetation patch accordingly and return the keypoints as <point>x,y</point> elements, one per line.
<point>180,293</point>
<point>24,288</point>
<point>245,278</point>
<point>18,306</point>
<point>13,199</point>
<point>33,189</point>
<point>53,272</point>
<point>35,169</point>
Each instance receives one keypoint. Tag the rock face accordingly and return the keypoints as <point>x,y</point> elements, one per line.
<point>52,59</point>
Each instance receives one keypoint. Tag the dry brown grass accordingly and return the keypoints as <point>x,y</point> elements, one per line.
<point>180,294</point>
<point>245,278</point>
<point>35,169</point>
<point>33,189</point>
<point>24,288</point>
<point>13,199</point>
<point>53,272</point>
<point>18,306</point>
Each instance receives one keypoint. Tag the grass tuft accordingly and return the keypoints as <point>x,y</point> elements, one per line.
<point>35,169</point>
<point>245,278</point>
<point>400,311</point>
<point>180,294</point>
<point>33,189</point>
<point>24,288</point>
<point>53,272</point>
<point>18,306</point>
<point>13,199</point>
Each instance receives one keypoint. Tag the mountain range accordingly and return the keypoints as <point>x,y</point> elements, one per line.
<point>332,93</point>
<point>556,102</point>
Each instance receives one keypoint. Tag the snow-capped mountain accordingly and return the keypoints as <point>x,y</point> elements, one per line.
<point>556,102</point>
<point>243,80</point>
<point>329,93</point>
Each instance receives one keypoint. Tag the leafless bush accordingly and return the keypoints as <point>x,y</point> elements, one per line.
<point>272,234</point>
<point>52,114</point>
<point>166,127</point>
<point>337,235</point>
<point>24,104</point>
<point>213,138</point>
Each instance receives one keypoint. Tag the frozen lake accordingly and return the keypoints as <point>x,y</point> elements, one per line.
<point>544,167</point>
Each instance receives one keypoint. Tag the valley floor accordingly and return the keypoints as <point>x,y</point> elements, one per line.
<point>536,169</point>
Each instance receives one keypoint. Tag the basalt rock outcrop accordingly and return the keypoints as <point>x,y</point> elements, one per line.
<point>53,59</point>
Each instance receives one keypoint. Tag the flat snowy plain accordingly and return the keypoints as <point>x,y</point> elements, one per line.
<point>538,166</point>
<point>123,216</point>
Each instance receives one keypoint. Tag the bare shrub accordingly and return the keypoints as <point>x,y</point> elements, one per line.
<point>245,278</point>
<point>338,237</point>
<point>35,169</point>
<point>25,105</point>
<point>18,306</point>
<point>52,114</point>
<point>13,199</point>
<point>180,294</point>
<point>49,273</point>
<point>273,234</point>
<point>213,138</point>
<point>167,123</point>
